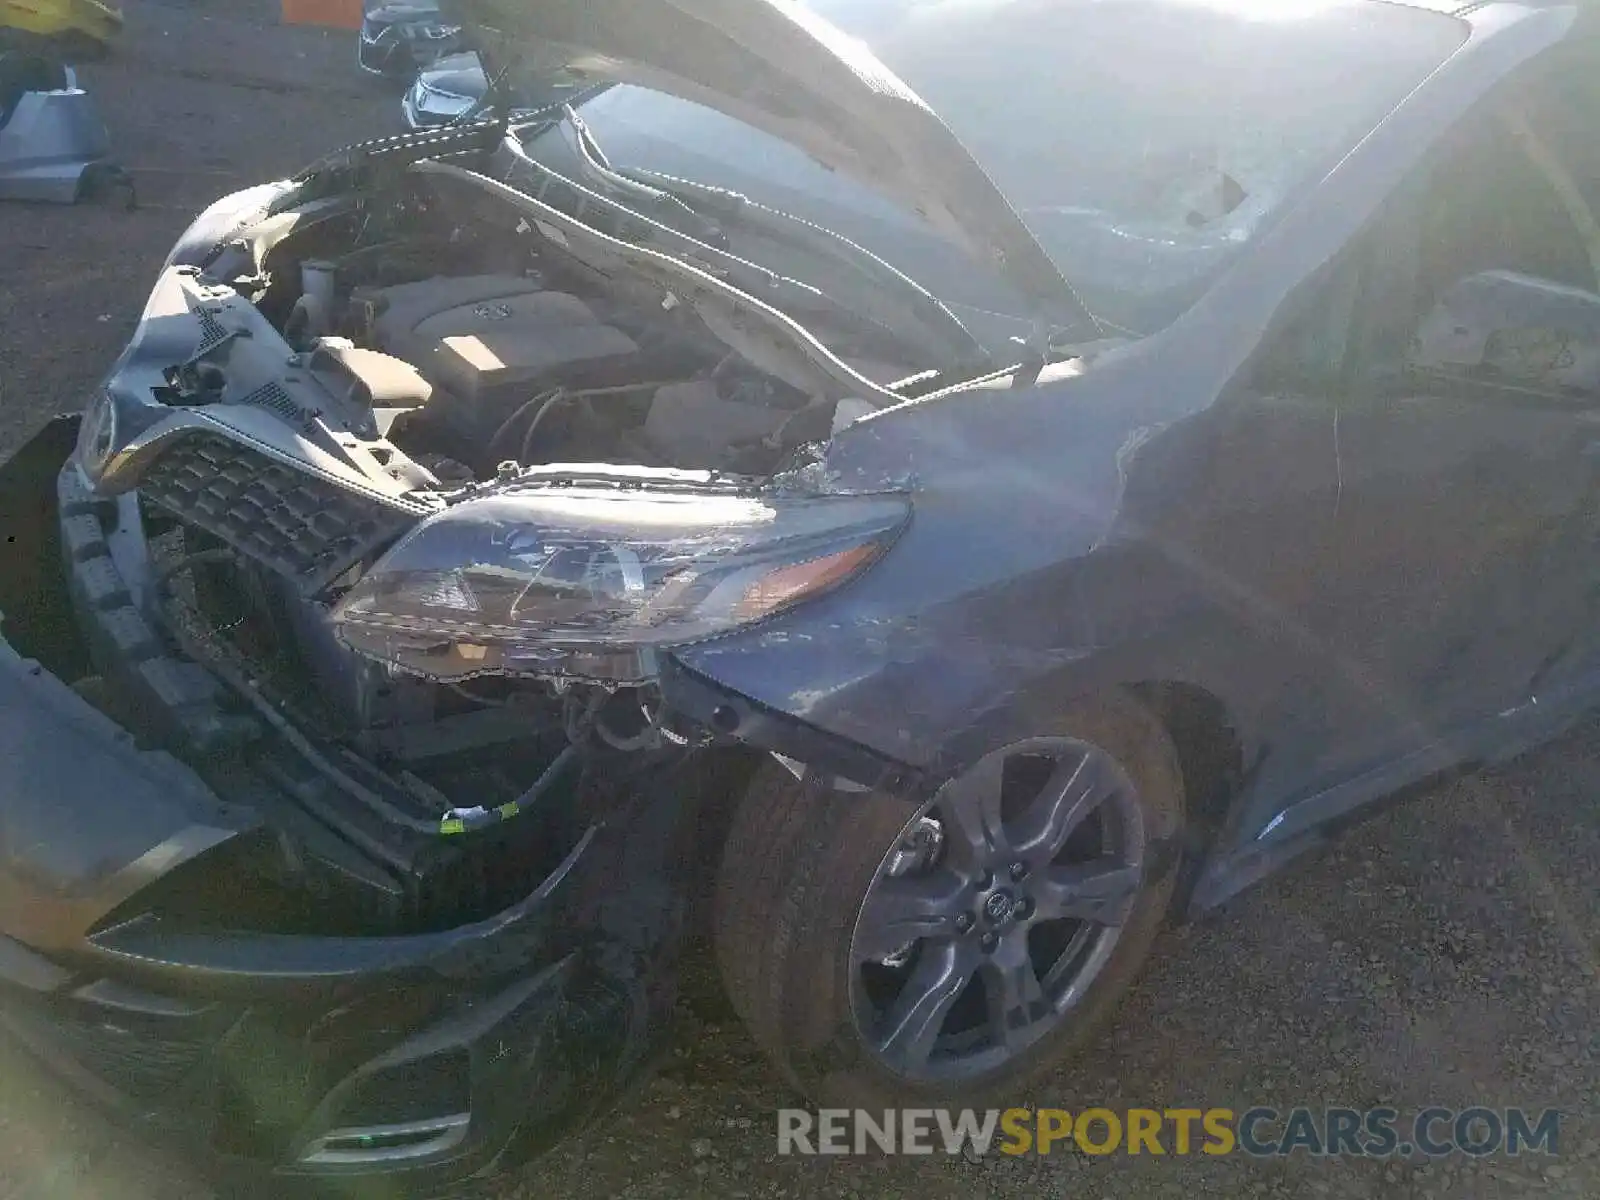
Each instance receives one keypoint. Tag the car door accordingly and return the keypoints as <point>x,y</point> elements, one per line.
<point>1466,452</point>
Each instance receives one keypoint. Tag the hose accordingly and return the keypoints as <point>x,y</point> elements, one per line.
<point>533,425</point>
<point>468,694</point>
<point>506,425</point>
<point>469,820</point>
<point>645,739</point>
<point>547,398</point>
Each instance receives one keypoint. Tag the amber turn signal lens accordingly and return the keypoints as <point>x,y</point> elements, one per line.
<point>782,587</point>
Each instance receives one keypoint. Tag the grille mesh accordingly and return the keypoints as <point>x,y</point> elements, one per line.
<point>212,333</point>
<point>273,396</point>
<point>287,520</point>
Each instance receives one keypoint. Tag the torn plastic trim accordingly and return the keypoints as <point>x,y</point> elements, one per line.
<point>63,756</point>
<point>223,220</point>
<point>222,962</point>
<point>734,716</point>
<point>800,770</point>
<point>185,317</point>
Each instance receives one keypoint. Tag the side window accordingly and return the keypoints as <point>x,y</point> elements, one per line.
<point>1486,273</point>
<point>1559,107</point>
<point>1490,205</point>
<point>1483,270</point>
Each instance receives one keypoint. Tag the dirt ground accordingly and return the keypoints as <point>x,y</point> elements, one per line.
<point>1447,952</point>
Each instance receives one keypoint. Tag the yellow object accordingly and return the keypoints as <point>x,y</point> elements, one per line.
<point>69,21</point>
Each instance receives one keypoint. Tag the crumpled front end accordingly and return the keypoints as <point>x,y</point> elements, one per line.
<point>197,941</point>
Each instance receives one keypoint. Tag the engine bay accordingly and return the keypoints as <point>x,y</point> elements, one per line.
<point>476,346</point>
<point>326,381</point>
<point>421,334</point>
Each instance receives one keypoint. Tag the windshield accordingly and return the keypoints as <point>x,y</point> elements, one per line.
<point>1143,142</point>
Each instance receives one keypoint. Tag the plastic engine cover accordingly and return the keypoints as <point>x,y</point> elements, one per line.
<point>491,342</point>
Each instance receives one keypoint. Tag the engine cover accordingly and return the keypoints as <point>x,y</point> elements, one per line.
<point>492,341</point>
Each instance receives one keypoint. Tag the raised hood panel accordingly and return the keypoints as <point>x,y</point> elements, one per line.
<point>782,69</point>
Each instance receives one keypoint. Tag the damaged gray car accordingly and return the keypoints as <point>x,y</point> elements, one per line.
<point>950,485</point>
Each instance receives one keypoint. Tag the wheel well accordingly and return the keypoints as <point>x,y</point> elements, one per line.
<point>1210,758</point>
<point>1209,753</point>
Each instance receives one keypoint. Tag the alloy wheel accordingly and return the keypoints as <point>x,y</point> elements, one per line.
<point>997,908</point>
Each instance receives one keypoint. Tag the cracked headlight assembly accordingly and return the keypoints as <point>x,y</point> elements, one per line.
<point>589,582</point>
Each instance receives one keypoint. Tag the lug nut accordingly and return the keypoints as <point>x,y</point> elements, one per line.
<point>964,922</point>
<point>989,943</point>
<point>985,881</point>
<point>1024,909</point>
<point>1019,870</point>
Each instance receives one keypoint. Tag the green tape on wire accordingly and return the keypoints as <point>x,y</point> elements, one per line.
<point>469,821</point>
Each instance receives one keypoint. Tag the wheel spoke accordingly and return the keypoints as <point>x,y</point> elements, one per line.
<point>1102,891</point>
<point>970,807</point>
<point>901,910</point>
<point>1015,997</point>
<point>1075,789</point>
<point>914,1021</point>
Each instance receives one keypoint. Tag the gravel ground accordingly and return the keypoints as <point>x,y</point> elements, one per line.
<point>1447,952</point>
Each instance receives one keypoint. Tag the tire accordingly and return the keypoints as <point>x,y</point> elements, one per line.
<point>800,861</point>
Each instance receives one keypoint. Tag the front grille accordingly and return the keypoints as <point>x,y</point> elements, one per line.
<point>289,521</point>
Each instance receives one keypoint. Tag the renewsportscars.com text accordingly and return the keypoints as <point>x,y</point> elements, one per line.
<point>1259,1132</point>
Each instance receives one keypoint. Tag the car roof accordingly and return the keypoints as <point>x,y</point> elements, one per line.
<point>1448,7</point>
<point>1458,8</point>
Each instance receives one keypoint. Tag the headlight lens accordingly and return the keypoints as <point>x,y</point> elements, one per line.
<point>98,435</point>
<point>590,581</point>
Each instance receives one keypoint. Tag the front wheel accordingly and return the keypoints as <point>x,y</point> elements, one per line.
<point>952,955</point>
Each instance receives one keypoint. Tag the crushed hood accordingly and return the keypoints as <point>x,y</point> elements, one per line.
<point>784,70</point>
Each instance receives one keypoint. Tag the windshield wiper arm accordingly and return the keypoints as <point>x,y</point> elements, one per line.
<point>700,210</point>
<point>728,206</point>
<point>711,297</point>
<point>659,203</point>
<point>933,327</point>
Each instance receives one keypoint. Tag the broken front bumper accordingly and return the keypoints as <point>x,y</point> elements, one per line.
<point>429,1056</point>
